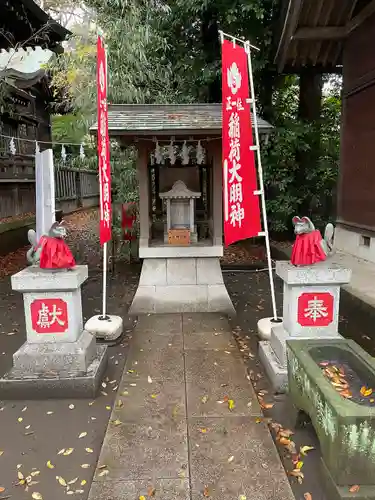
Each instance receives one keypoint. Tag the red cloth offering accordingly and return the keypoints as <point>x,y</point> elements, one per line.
<point>55,254</point>
<point>307,249</point>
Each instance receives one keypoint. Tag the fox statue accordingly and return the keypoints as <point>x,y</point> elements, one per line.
<point>309,247</point>
<point>51,251</point>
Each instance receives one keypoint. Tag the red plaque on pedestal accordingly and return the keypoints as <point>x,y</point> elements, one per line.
<point>49,315</point>
<point>315,309</point>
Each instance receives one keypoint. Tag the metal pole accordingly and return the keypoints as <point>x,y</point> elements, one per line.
<point>104,308</point>
<point>261,183</point>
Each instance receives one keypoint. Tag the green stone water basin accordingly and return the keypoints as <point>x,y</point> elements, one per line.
<point>345,427</point>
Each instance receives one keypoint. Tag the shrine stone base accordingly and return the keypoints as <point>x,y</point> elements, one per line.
<point>175,285</point>
<point>108,328</point>
<point>310,310</point>
<point>59,359</point>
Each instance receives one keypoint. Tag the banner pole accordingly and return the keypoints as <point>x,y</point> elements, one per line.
<point>104,308</point>
<point>261,183</point>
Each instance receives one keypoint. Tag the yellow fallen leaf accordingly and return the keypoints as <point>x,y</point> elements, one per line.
<point>89,450</point>
<point>125,393</point>
<point>203,431</point>
<point>117,422</point>
<point>258,420</point>
<point>20,475</point>
<point>154,396</point>
<point>242,497</point>
<point>204,399</point>
<point>85,466</point>
<point>231,404</point>
<point>36,496</point>
<point>82,435</point>
<point>73,480</point>
<point>83,482</point>
<point>108,408</point>
<point>1,453</point>
<point>61,480</point>
<point>68,451</point>
<point>299,464</point>
<point>20,419</point>
<point>142,497</point>
<point>50,465</point>
<point>305,449</point>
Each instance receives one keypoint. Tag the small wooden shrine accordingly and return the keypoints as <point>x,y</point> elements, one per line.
<point>180,210</point>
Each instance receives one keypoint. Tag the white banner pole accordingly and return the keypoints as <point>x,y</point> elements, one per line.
<point>261,183</point>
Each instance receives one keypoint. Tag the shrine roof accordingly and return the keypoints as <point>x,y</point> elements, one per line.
<point>23,20</point>
<point>167,119</point>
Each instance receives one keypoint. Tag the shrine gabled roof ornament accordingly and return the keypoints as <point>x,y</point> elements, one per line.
<point>179,190</point>
<point>24,64</point>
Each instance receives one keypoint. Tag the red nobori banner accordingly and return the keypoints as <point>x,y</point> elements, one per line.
<point>241,205</point>
<point>103,146</point>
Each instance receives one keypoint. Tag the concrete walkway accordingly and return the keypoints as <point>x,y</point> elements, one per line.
<point>172,435</point>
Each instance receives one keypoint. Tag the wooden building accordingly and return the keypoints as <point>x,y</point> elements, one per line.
<point>325,36</point>
<point>28,38</point>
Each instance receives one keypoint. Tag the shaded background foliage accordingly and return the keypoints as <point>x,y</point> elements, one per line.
<point>169,52</point>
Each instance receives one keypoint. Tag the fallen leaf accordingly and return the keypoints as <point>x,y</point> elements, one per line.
<point>73,480</point>
<point>71,407</point>
<point>103,393</point>
<point>35,473</point>
<point>2,489</point>
<point>85,466</point>
<point>36,496</point>
<point>298,474</point>
<point>61,480</point>
<point>61,451</point>
<point>20,419</point>
<point>258,420</point>
<point>1,453</point>
<point>142,497</point>
<point>231,404</point>
<point>108,408</point>
<point>307,496</point>
<point>83,482</point>
<point>24,408</point>
<point>117,422</point>
<point>80,491</point>
<point>20,475</point>
<point>299,464</point>
<point>119,404</point>
<point>104,385</point>
<point>204,399</point>
<point>103,472</point>
<point>68,451</point>
<point>242,497</point>
<point>354,488</point>
<point>101,467</point>
<point>149,379</point>
<point>89,450</point>
<point>206,492</point>
<point>304,449</point>
<point>230,459</point>
<point>203,431</point>
<point>151,491</point>
<point>124,393</point>
<point>50,412</point>
<point>82,435</point>
<point>154,396</point>
<point>70,492</point>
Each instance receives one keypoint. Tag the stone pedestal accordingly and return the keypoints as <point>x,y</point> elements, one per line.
<point>173,285</point>
<point>59,358</point>
<point>310,310</point>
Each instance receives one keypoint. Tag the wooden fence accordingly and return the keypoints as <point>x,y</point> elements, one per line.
<point>75,188</point>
